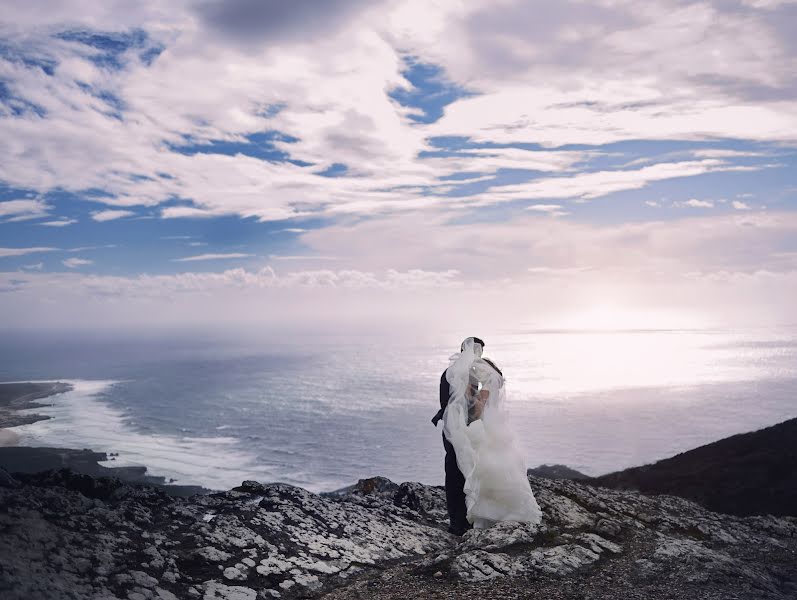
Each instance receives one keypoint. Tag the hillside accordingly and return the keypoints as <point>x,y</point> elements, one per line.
<point>747,474</point>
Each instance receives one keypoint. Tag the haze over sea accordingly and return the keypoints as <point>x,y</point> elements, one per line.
<point>322,413</point>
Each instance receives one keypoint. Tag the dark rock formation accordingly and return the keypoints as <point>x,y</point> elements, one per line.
<point>23,459</point>
<point>66,535</point>
<point>556,472</point>
<point>747,474</point>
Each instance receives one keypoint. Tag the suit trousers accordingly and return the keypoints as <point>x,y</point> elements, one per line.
<point>455,492</point>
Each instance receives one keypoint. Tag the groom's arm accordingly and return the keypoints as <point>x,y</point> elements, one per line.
<point>445,392</point>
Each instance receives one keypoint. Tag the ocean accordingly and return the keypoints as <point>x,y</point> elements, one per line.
<point>323,413</point>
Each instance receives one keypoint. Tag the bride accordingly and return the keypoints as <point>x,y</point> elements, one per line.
<point>477,426</point>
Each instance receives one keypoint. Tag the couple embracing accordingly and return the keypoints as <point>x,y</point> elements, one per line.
<point>486,478</point>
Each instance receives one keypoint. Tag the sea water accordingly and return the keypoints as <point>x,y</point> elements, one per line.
<point>323,413</point>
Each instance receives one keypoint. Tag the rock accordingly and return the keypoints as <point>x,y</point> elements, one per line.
<point>7,481</point>
<point>479,565</point>
<point>220,591</point>
<point>143,579</point>
<point>164,594</point>
<point>556,472</point>
<point>560,561</point>
<point>104,539</point>
<point>250,487</point>
<point>423,499</point>
<point>499,536</point>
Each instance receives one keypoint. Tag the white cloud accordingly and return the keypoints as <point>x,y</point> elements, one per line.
<point>555,210</point>
<point>587,186</point>
<point>301,257</point>
<point>767,4</point>
<point>739,257</point>
<point>34,267</point>
<point>111,215</point>
<point>23,251</point>
<point>85,248</point>
<point>652,203</point>
<point>695,203</point>
<point>74,263</point>
<point>545,207</point>
<point>200,257</point>
<point>62,222</point>
<point>739,205</point>
<point>577,73</point>
<point>23,210</point>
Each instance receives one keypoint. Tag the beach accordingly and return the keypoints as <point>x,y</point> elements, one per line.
<point>8,438</point>
<point>19,396</point>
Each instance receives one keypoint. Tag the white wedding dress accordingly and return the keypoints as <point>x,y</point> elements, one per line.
<point>477,426</point>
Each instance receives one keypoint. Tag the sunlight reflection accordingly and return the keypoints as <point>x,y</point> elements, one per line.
<point>573,363</point>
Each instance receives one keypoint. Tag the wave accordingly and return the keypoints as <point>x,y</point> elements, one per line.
<point>80,419</point>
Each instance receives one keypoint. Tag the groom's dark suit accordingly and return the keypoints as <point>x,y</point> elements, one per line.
<point>455,480</point>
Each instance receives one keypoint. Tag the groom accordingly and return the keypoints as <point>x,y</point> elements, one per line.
<point>455,481</point>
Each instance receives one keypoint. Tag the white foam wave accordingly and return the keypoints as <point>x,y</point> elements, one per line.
<point>79,419</point>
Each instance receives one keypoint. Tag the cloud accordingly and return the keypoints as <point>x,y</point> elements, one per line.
<point>111,215</point>
<point>555,210</point>
<point>74,263</point>
<point>200,257</point>
<point>739,205</point>
<point>492,251</point>
<point>652,203</point>
<point>62,222</point>
<point>695,203</point>
<point>301,257</point>
<point>23,210</point>
<point>34,267</point>
<point>742,259</point>
<point>305,88</point>
<point>22,251</point>
<point>587,186</point>
<point>273,20</point>
<point>574,74</point>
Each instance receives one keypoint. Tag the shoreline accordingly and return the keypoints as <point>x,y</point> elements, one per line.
<point>17,396</point>
<point>23,395</point>
<point>8,438</point>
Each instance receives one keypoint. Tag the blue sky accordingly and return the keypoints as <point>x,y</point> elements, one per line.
<point>573,154</point>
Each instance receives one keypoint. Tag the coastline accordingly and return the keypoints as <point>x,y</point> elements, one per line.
<point>8,438</point>
<point>18,396</point>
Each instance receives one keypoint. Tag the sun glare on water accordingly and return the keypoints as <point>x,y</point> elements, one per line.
<point>612,317</point>
<point>611,347</point>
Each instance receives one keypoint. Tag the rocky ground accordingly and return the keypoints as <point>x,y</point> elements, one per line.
<point>67,535</point>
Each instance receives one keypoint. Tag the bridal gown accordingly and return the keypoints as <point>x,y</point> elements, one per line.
<point>475,422</point>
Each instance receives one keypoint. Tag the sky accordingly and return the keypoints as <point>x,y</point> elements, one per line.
<point>262,165</point>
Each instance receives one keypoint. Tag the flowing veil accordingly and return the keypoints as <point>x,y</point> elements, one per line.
<point>476,424</point>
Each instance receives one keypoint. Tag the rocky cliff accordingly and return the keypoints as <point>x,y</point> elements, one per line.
<point>66,535</point>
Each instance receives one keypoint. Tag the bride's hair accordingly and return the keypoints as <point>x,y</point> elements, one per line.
<point>475,341</point>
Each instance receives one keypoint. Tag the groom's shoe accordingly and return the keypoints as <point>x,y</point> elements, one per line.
<point>460,530</point>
